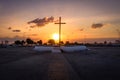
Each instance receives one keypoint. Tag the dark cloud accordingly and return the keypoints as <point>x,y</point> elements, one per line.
<point>9,28</point>
<point>81,29</point>
<point>16,30</point>
<point>42,22</point>
<point>97,25</point>
<point>32,26</point>
<point>33,35</point>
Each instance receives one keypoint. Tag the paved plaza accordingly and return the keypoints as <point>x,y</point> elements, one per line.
<point>23,63</point>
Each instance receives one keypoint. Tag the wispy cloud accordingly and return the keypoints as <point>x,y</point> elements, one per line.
<point>97,25</point>
<point>33,35</point>
<point>32,26</point>
<point>16,30</point>
<point>82,29</point>
<point>41,22</point>
<point>13,30</point>
<point>9,28</point>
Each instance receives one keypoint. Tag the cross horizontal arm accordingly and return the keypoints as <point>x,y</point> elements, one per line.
<point>60,28</point>
<point>60,23</point>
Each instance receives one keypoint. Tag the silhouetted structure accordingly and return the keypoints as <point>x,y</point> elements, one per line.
<point>60,29</point>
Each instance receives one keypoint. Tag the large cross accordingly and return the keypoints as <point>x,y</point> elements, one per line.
<point>60,29</point>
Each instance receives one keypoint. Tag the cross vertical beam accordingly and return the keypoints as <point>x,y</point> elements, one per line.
<point>60,29</point>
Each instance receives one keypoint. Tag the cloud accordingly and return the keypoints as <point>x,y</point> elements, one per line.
<point>41,22</point>
<point>33,35</point>
<point>97,25</point>
<point>32,26</point>
<point>81,29</point>
<point>16,30</point>
<point>9,28</point>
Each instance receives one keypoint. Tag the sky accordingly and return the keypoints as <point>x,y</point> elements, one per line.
<point>86,20</point>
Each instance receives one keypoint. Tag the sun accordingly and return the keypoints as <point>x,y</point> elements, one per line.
<point>55,36</point>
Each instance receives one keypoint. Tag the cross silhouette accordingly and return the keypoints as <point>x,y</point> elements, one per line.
<point>60,29</point>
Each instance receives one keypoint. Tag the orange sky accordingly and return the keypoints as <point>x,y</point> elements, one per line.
<point>84,19</point>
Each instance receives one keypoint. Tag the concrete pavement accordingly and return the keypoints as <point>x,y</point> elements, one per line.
<point>48,66</point>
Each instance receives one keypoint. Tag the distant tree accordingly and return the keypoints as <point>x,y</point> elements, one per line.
<point>67,43</point>
<point>109,43</point>
<point>51,41</point>
<point>2,42</point>
<point>105,42</point>
<point>75,43</point>
<point>29,41</point>
<point>61,42</point>
<point>22,42</point>
<point>39,42</point>
<point>45,44</point>
<point>34,42</point>
<point>6,42</point>
<point>17,42</point>
<point>95,43</point>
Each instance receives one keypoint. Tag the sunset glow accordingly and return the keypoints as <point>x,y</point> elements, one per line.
<point>56,36</point>
<point>85,19</point>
